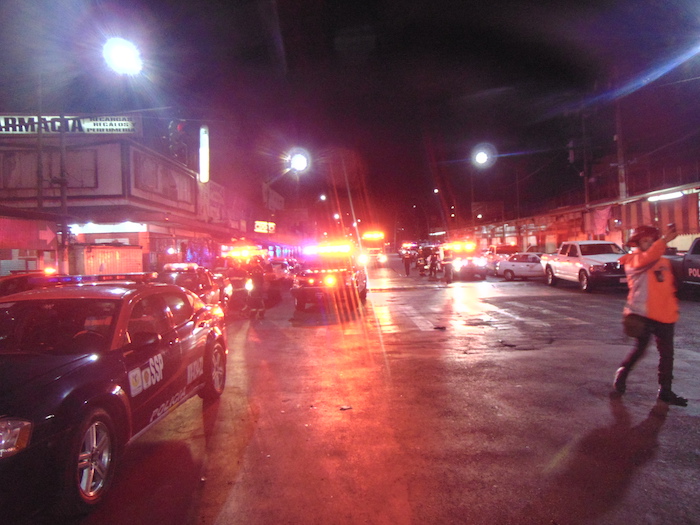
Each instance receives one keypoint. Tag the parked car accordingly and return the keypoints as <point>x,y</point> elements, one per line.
<point>520,266</point>
<point>84,369</point>
<point>20,282</point>
<point>588,263</point>
<point>196,279</point>
<point>329,273</point>
<point>498,252</point>
<point>686,266</point>
<point>225,285</point>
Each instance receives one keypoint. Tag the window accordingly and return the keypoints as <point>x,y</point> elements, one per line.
<point>149,315</point>
<point>179,306</point>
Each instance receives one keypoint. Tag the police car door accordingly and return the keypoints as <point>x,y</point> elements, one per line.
<point>192,331</point>
<point>152,360</point>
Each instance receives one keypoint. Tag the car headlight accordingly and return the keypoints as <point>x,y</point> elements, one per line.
<point>363,259</point>
<point>457,264</point>
<point>14,436</point>
<point>382,258</point>
<point>480,261</point>
<point>597,268</point>
<point>330,280</point>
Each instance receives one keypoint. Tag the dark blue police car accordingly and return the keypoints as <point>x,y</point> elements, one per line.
<point>86,368</point>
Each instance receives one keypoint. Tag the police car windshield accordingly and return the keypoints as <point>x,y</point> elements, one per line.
<point>56,327</point>
<point>185,279</point>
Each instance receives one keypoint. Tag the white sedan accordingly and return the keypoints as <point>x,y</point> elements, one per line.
<point>520,266</point>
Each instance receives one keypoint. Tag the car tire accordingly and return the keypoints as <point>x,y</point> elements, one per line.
<point>508,275</point>
<point>550,277</point>
<point>214,372</point>
<point>584,281</point>
<point>88,465</point>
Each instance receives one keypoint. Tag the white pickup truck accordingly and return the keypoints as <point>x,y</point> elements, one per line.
<point>589,263</point>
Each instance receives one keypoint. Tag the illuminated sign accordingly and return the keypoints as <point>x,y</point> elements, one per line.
<point>51,125</point>
<point>204,154</point>
<point>264,227</point>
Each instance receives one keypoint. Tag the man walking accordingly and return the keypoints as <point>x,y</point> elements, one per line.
<point>407,260</point>
<point>651,308</point>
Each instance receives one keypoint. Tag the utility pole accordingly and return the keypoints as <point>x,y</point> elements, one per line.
<point>63,182</point>
<point>620,142</point>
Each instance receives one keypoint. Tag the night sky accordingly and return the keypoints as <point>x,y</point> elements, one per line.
<point>400,89</point>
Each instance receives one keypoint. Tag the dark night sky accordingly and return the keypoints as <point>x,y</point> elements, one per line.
<point>408,86</point>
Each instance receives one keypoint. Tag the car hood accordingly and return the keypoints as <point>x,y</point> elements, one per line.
<point>603,258</point>
<point>20,371</point>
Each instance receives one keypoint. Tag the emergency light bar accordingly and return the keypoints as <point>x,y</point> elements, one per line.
<point>327,249</point>
<point>373,235</point>
<point>459,246</point>
<point>179,267</point>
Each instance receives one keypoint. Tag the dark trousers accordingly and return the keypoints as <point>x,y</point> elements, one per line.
<point>663,332</point>
<point>407,265</point>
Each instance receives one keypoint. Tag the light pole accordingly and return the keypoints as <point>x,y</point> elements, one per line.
<point>483,156</point>
<point>123,57</point>
<point>296,161</point>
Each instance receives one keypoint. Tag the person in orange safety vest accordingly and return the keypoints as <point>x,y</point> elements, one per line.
<point>651,307</point>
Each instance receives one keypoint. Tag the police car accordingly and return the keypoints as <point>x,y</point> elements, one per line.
<point>329,273</point>
<point>197,279</point>
<point>466,263</point>
<point>84,369</point>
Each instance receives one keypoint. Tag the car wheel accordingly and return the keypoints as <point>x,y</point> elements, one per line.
<point>508,275</point>
<point>584,281</point>
<point>89,464</point>
<point>215,373</point>
<point>299,305</point>
<point>551,279</point>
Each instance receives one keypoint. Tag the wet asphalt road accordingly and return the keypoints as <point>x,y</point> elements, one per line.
<point>478,403</point>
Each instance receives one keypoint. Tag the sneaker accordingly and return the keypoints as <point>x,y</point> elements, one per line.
<point>620,383</point>
<point>667,396</point>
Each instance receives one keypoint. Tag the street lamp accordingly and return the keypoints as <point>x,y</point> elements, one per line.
<point>298,160</point>
<point>483,156</point>
<point>122,56</point>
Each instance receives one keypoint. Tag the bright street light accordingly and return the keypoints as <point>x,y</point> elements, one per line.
<point>122,56</point>
<point>484,155</point>
<point>298,160</point>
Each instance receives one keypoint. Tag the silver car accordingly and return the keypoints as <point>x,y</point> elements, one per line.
<point>520,266</point>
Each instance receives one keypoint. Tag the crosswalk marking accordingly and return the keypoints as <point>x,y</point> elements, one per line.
<point>396,318</point>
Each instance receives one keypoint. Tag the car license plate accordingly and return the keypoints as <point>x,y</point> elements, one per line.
<point>623,280</point>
